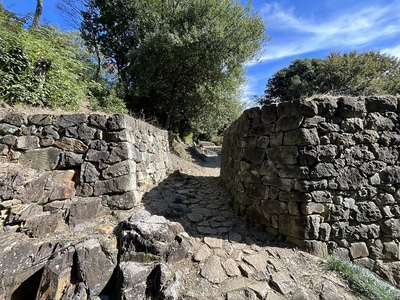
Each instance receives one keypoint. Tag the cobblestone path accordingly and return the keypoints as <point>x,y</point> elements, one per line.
<point>231,259</point>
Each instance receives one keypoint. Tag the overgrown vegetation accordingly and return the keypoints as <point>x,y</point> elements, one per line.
<point>350,74</point>
<point>47,67</point>
<point>364,281</point>
<point>179,62</point>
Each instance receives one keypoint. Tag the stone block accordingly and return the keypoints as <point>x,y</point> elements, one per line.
<point>310,185</point>
<point>351,107</point>
<point>294,172</point>
<point>70,160</point>
<point>294,209</point>
<point>391,228</point>
<point>358,250</point>
<point>124,135</point>
<point>327,107</point>
<point>42,225</point>
<point>89,173</point>
<point>41,159</point>
<point>41,119</point>
<point>352,125</point>
<point>254,155</point>
<point>297,107</point>
<point>284,184</point>
<point>312,208</point>
<point>268,168</point>
<point>276,139</point>
<point>16,119</point>
<point>72,145</point>
<point>381,103</point>
<point>85,209</point>
<point>287,123</point>
<point>27,142</point>
<point>325,231</point>
<point>292,196</point>
<point>322,196</point>
<point>350,179</point>
<point>258,191</point>
<point>262,142</point>
<point>268,113</point>
<point>274,207</point>
<point>283,155</point>
<point>122,168</point>
<point>67,121</point>
<point>125,183</point>
<point>96,263</point>
<point>8,139</point>
<point>258,215</point>
<point>391,250</point>
<point>126,200</point>
<point>293,226</point>
<point>8,129</point>
<point>301,137</point>
<point>324,170</point>
<point>308,156</point>
<point>98,121</point>
<point>123,151</point>
<point>375,121</point>
<point>316,248</point>
<point>368,212</point>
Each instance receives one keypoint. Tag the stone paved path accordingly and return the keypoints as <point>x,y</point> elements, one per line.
<point>231,259</point>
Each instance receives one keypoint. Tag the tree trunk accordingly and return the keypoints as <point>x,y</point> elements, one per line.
<point>38,14</point>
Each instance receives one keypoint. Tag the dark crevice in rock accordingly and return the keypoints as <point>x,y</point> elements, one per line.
<point>112,288</point>
<point>29,288</point>
<point>76,275</point>
<point>153,283</point>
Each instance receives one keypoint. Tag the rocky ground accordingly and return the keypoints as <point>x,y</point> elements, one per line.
<point>230,258</point>
<point>182,242</point>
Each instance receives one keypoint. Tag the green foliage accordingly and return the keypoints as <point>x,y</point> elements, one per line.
<point>177,61</point>
<point>350,74</point>
<point>39,67</point>
<point>48,67</point>
<point>106,99</point>
<point>364,281</point>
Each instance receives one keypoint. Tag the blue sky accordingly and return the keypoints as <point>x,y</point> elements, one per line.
<point>299,29</point>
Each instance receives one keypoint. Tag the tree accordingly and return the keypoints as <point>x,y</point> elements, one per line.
<point>293,82</point>
<point>352,74</point>
<point>37,14</point>
<point>72,11</point>
<point>177,60</point>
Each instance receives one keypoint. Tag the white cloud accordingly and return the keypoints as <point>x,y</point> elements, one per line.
<point>295,35</point>
<point>394,51</point>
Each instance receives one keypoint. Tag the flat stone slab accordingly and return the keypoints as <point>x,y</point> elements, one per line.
<point>260,288</point>
<point>213,242</point>
<point>257,261</point>
<point>202,254</point>
<point>283,282</point>
<point>231,267</point>
<point>234,284</point>
<point>213,271</point>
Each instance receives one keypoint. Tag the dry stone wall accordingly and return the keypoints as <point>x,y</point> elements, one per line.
<point>116,157</point>
<point>324,174</point>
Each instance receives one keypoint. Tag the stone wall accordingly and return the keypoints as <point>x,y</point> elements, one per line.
<point>116,157</point>
<point>323,174</point>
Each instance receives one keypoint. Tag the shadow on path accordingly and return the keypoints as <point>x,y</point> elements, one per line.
<point>203,206</point>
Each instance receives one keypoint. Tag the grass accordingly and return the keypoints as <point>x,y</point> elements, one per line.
<point>364,281</point>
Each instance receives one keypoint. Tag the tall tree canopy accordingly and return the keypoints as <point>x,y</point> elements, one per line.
<point>352,74</point>
<point>178,61</point>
